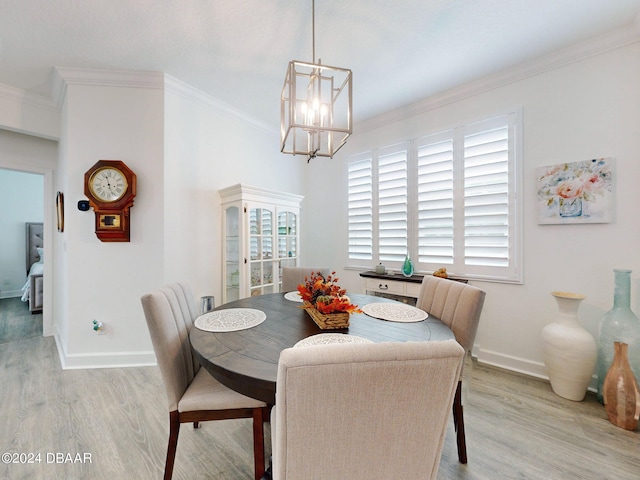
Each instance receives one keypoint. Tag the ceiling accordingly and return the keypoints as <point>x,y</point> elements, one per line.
<point>237,51</point>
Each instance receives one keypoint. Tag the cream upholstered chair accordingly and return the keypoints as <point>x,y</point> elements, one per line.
<point>192,393</point>
<point>458,305</point>
<point>294,276</point>
<point>363,411</point>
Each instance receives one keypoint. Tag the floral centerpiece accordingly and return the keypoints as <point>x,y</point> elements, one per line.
<point>326,302</point>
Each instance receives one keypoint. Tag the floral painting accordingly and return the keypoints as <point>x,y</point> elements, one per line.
<point>579,192</point>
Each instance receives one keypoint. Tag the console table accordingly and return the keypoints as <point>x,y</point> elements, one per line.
<point>395,286</point>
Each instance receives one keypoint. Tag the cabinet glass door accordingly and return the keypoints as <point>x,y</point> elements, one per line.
<point>261,254</point>
<point>232,246</point>
<point>287,242</point>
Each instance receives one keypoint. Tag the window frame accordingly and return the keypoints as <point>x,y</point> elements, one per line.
<point>513,272</point>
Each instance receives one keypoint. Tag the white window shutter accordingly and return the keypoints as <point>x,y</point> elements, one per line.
<point>435,192</point>
<point>392,204</point>
<point>486,198</point>
<point>360,211</point>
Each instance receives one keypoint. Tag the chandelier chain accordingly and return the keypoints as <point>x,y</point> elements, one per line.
<point>313,30</point>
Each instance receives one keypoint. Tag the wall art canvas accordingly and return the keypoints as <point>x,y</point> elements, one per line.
<point>578,192</point>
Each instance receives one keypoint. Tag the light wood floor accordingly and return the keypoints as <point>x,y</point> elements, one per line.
<point>516,427</point>
<point>16,321</point>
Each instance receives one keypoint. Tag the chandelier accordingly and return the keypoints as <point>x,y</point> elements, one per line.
<point>315,107</point>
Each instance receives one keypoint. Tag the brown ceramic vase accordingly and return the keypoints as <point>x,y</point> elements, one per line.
<point>620,391</point>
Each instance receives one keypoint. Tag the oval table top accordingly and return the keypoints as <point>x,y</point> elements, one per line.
<point>247,360</point>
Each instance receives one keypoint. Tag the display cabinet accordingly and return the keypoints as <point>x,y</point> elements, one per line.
<point>261,230</point>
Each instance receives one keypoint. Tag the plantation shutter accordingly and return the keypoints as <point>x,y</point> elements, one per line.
<point>449,199</point>
<point>486,198</point>
<point>392,204</point>
<point>435,192</point>
<point>360,211</point>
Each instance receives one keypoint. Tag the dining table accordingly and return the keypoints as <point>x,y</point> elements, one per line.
<point>246,359</point>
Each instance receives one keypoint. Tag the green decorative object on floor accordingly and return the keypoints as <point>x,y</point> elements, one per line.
<point>407,267</point>
<point>619,324</point>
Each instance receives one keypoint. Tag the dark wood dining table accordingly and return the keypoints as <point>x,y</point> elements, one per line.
<point>247,360</point>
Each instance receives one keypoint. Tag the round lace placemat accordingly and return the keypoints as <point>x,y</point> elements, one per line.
<point>230,320</point>
<point>394,312</point>
<point>326,338</point>
<point>293,296</point>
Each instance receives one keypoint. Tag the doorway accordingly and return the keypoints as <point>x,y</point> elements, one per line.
<point>21,153</point>
<point>23,194</point>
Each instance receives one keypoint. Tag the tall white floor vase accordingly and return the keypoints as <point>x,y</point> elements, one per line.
<point>569,350</point>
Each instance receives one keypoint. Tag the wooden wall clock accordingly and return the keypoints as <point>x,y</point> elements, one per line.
<point>111,187</point>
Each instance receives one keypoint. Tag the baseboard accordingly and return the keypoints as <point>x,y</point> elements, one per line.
<point>515,364</point>
<point>104,360</point>
<point>10,293</point>
<point>520,365</point>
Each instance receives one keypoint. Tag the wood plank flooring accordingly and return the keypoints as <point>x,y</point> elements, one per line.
<point>16,321</point>
<point>517,428</point>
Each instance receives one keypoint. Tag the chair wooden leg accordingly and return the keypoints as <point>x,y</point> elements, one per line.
<point>196,424</point>
<point>174,430</point>
<point>458,422</point>
<point>258,441</point>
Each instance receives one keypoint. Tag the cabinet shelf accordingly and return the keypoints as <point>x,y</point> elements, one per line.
<point>261,235</point>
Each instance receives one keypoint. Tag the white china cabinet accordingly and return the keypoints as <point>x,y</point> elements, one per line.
<point>261,230</point>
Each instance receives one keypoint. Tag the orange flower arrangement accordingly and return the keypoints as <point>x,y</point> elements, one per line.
<point>326,295</point>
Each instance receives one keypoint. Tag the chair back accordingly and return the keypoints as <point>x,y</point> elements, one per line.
<point>456,304</point>
<point>294,276</point>
<point>170,312</point>
<point>362,411</point>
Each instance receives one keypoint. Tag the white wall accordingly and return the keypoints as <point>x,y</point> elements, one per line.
<point>27,113</point>
<point>183,148</point>
<point>207,149</point>
<point>579,111</point>
<point>105,280</point>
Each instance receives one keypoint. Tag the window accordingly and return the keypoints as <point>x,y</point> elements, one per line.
<point>392,204</point>
<point>448,199</point>
<point>360,210</point>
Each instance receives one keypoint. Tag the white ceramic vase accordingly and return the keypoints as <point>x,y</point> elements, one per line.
<point>569,350</point>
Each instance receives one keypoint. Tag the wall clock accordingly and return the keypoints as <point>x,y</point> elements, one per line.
<point>111,187</point>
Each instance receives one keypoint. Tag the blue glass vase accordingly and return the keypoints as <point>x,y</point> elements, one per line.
<point>407,267</point>
<point>619,324</point>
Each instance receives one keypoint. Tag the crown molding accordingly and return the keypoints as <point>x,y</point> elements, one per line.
<point>64,76</point>
<point>595,46</point>
<point>24,97</point>
<point>199,97</point>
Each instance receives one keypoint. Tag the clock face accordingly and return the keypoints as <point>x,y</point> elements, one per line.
<point>108,184</point>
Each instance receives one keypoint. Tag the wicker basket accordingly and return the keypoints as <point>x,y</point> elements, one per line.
<point>328,321</point>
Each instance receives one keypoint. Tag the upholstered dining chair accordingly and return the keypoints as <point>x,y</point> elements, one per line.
<point>458,305</point>
<point>294,276</point>
<point>362,411</point>
<point>193,394</point>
